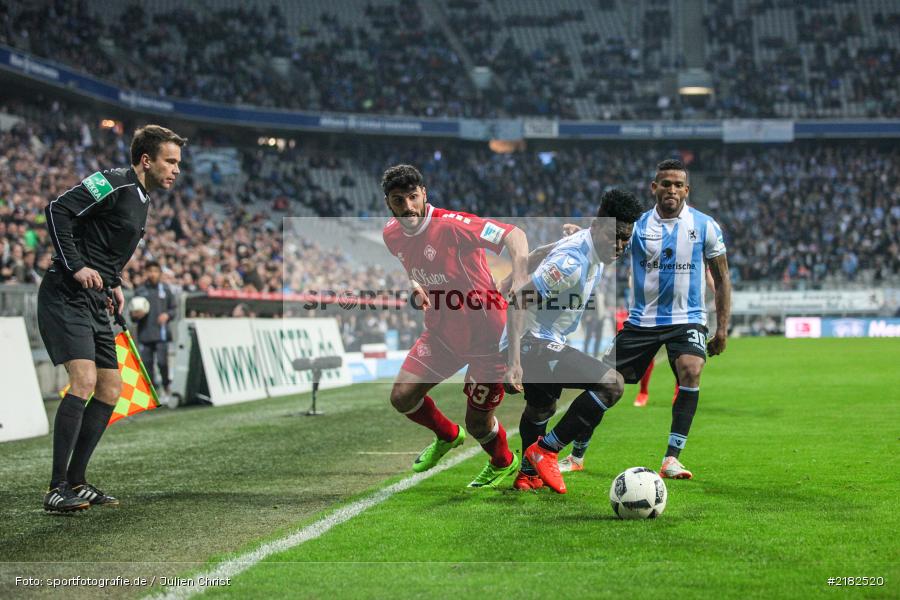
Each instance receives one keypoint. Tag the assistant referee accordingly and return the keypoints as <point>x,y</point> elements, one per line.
<point>95,228</point>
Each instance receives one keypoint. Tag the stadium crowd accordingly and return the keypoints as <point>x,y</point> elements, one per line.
<point>822,59</point>
<point>818,210</point>
<point>799,214</point>
<point>826,65</point>
<point>819,213</point>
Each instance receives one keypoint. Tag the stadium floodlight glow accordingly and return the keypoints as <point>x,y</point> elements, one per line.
<point>695,90</point>
<point>316,365</point>
<point>107,123</point>
<point>506,146</point>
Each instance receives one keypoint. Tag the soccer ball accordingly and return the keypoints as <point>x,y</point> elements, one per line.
<point>139,307</point>
<point>638,493</point>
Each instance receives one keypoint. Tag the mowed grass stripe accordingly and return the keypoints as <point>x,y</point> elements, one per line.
<point>233,567</point>
<point>201,484</point>
<point>795,451</point>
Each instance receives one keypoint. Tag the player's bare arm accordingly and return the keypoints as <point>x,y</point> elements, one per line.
<point>519,300</point>
<point>517,244</point>
<point>535,257</point>
<point>420,296</point>
<point>718,267</point>
<point>570,229</point>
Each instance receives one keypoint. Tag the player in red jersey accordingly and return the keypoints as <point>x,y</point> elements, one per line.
<point>443,254</point>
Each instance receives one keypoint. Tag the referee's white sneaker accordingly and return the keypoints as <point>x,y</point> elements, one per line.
<point>672,469</point>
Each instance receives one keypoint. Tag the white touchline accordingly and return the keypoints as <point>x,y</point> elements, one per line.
<point>235,566</point>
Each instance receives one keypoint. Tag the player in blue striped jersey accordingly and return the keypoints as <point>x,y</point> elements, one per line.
<point>556,297</point>
<point>671,246</point>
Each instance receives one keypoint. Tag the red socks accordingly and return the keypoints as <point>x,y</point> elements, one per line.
<point>428,415</point>
<point>495,445</point>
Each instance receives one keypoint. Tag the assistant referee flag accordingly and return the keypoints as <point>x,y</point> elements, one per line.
<point>138,393</point>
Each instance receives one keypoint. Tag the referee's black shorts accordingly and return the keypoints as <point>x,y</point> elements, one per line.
<point>549,367</point>
<point>634,347</point>
<point>74,322</point>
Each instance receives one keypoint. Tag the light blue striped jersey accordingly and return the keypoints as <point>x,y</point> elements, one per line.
<point>566,278</point>
<point>668,266</point>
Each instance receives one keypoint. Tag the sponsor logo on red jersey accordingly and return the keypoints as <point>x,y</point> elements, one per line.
<point>423,277</point>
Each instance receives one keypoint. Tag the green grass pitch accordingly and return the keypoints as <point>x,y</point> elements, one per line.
<point>794,450</point>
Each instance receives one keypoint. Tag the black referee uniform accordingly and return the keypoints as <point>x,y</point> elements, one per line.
<point>98,224</point>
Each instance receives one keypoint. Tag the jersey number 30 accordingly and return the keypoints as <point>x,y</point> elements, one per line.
<point>697,338</point>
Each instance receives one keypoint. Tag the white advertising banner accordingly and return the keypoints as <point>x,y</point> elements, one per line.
<point>803,327</point>
<point>251,359</point>
<point>22,413</point>
<point>280,341</point>
<point>230,361</point>
<point>813,302</point>
<point>757,130</point>
<point>541,128</point>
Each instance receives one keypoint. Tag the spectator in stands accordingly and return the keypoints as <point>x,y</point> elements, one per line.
<point>154,329</point>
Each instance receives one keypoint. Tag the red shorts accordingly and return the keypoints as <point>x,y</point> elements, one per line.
<point>432,360</point>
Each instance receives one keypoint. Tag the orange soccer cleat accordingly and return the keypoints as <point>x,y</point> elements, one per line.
<point>546,464</point>
<point>525,482</point>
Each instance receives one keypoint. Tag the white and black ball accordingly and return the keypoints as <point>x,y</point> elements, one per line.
<point>638,493</point>
<point>139,307</point>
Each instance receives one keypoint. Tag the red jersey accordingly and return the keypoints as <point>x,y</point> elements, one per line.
<point>445,255</point>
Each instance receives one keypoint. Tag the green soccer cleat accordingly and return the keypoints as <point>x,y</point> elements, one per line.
<point>491,476</point>
<point>436,450</point>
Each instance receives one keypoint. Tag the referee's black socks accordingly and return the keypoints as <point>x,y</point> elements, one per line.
<point>682,416</point>
<point>66,426</point>
<point>93,424</point>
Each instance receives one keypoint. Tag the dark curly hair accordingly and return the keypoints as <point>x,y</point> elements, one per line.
<point>401,177</point>
<point>620,204</point>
